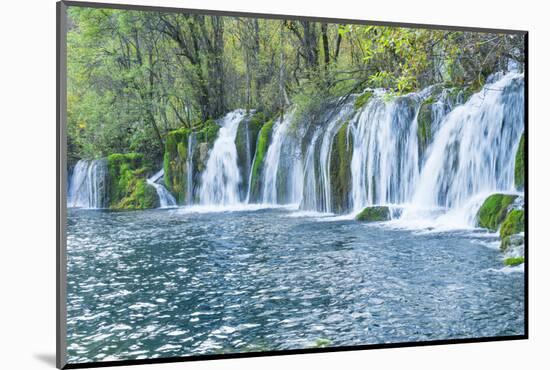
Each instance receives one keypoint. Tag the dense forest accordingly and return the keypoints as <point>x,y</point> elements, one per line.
<point>135,76</point>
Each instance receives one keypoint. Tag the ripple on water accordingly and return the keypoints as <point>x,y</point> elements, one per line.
<point>168,283</point>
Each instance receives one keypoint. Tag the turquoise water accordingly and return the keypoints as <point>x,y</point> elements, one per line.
<point>164,283</point>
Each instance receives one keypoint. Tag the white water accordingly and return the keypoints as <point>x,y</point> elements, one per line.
<point>88,185</point>
<point>165,198</point>
<point>309,200</point>
<point>385,164</point>
<point>284,141</point>
<point>221,178</point>
<point>325,151</point>
<point>473,154</point>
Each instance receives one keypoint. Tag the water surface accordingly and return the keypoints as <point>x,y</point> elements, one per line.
<point>164,283</point>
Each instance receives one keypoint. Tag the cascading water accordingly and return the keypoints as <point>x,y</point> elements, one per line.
<point>384,165</point>
<point>166,199</point>
<point>473,151</point>
<point>309,200</point>
<point>221,178</point>
<point>468,153</point>
<point>88,185</point>
<point>324,155</point>
<point>283,174</point>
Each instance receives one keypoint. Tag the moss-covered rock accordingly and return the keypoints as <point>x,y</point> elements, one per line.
<point>245,142</point>
<point>264,138</point>
<point>514,223</point>
<point>175,163</point>
<point>340,170</point>
<point>374,214</point>
<point>128,188</point>
<point>363,99</point>
<point>208,133</point>
<point>176,154</point>
<point>493,211</point>
<point>519,169</point>
<point>514,261</point>
<point>424,121</point>
<point>511,242</point>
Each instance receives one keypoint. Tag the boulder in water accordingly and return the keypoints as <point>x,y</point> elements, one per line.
<point>493,211</point>
<point>514,223</point>
<point>374,214</point>
<point>128,188</point>
<point>512,242</point>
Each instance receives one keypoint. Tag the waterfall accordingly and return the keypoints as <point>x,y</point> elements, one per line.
<point>474,149</point>
<point>190,148</point>
<point>429,153</point>
<point>385,161</point>
<point>324,155</point>
<point>88,185</point>
<point>166,199</point>
<point>309,200</point>
<point>221,178</point>
<point>283,173</point>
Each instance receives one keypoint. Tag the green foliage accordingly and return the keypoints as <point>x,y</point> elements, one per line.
<point>514,261</point>
<point>493,210</point>
<point>308,103</point>
<point>519,167</point>
<point>128,188</point>
<point>374,214</point>
<point>340,169</point>
<point>514,223</point>
<point>208,133</point>
<point>135,76</point>
<point>264,138</point>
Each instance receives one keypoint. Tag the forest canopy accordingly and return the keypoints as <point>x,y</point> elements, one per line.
<point>134,76</point>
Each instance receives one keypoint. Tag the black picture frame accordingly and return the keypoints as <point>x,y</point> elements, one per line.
<point>61,173</point>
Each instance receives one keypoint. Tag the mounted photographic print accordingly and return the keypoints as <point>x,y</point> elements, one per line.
<point>235,184</point>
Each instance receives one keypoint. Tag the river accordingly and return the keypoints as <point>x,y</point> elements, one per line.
<point>196,280</point>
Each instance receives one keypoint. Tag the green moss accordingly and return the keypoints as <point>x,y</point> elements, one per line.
<point>128,188</point>
<point>208,133</point>
<point>340,169</point>
<point>493,210</point>
<point>514,223</point>
<point>374,214</point>
<point>474,87</point>
<point>264,138</point>
<point>519,169</point>
<point>321,343</point>
<point>245,142</point>
<point>514,261</point>
<point>424,121</point>
<point>175,156</point>
<point>511,241</point>
<point>362,99</point>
